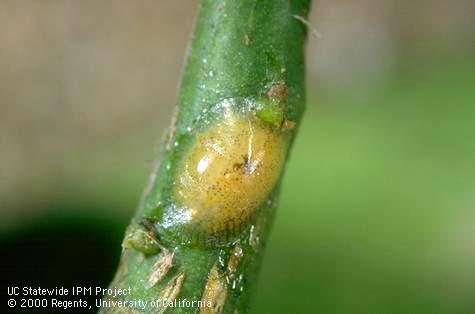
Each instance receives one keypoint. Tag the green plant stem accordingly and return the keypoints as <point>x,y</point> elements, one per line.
<point>240,49</point>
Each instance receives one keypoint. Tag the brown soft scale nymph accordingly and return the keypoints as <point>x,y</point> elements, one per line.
<point>228,172</point>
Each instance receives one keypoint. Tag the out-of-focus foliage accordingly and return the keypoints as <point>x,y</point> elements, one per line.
<point>377,206</point>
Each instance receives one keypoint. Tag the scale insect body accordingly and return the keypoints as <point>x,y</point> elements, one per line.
<point>227,170</point>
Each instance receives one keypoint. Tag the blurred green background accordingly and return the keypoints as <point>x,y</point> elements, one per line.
<point>377,210</point>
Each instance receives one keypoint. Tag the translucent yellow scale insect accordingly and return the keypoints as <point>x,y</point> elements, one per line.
<point>228,172</point>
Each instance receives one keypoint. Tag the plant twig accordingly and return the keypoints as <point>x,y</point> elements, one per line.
<point>199,233</point>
